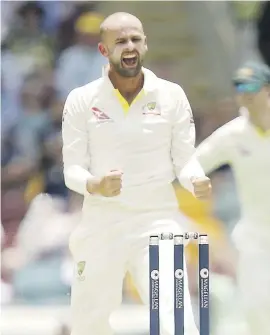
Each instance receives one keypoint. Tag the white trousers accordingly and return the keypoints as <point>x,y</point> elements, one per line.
<point>253,275</point>
<point>106,245</point>
<point>254,287</point>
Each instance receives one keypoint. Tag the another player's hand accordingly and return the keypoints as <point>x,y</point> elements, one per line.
<point>202,187</point>
<point>108,186</point>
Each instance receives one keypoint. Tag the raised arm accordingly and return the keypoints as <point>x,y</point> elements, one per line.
<point>215,150</point>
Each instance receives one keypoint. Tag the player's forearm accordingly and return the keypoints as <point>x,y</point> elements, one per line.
<point>209,161</point>
<point>78,179</point>
<point>190,171</point>
<point>215,150</point>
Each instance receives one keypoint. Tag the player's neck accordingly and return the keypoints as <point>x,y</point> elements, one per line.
<point>260,120</point>
<point>128,87</point>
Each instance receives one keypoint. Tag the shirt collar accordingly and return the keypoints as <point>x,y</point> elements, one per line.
<point>150,79</point>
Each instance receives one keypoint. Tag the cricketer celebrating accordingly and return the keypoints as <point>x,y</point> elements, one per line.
<point>126,137</point>
<point>244,143</point>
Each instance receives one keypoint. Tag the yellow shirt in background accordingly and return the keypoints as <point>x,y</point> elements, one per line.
<point>201,214</point>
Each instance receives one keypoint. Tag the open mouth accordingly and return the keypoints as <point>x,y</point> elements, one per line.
<point>129,61</point>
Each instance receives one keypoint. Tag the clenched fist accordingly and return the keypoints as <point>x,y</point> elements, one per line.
<point>202,187</point>
<point>108,186</point>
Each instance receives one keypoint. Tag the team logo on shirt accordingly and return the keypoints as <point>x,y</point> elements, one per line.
<point>80,270</point>
<point>151,108</point>
<point>100,116</point>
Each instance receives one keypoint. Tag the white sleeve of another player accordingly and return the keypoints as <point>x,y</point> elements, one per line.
<point>76,158</point>
<point>215,150</point>
<point>212,153</point>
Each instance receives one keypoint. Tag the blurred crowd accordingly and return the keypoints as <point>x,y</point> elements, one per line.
<point>47,49</point>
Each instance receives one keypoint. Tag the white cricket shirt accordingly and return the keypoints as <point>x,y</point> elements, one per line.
<point>247,151</point>
<point>150,144</point>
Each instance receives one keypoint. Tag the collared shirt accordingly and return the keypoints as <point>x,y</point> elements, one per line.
<point>150,144</point>
<point>238,144</point>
